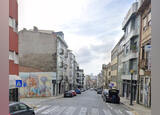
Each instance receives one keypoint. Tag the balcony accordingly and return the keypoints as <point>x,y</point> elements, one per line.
<point>132,11</point>
<point>130,35</point>
<point>131,55</point>
<point>128,77</point>
<point>142,4</point>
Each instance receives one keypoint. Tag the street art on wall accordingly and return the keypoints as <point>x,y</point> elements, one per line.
<point>37,84</point>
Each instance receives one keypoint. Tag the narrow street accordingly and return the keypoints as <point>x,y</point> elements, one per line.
<point>87,103</point>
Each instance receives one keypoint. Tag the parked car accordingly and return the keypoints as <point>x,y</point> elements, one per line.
<point>78,91</point>
<point>82,90</point>
<point>114,96</point>
<point>68,94</point>
<point>19,108</point>
<point>105,95</point>
<point>74,93</point>
<point>99,91</point>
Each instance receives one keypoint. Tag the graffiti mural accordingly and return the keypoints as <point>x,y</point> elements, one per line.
<point>37,84</point>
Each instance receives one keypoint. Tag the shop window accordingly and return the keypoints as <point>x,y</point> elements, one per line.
<point>22,107</point>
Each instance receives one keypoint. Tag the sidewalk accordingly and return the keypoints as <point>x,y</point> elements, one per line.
<point>34,101</point>
<point>137,109</point>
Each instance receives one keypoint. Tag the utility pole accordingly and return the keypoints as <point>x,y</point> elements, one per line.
<point>131,97</point>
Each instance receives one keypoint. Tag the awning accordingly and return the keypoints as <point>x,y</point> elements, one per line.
<point>12,81</point>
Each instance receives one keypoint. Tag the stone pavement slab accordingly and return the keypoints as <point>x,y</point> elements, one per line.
<point>137,109</point>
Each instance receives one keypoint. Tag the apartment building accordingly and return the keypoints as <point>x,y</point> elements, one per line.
<point>114,66</point>
<point>106,73</point>
<point>45,51</point>
<point>144,95</point>
<point>80,77</point>
<point>131,27</point>
<point>120,64</point>
<point>13,51</point>
<point>71,69</point>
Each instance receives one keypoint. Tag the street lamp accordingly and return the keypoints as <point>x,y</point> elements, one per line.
<point>131,71</point>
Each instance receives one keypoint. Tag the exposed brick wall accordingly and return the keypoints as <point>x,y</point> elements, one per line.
<point>13,40</point>
<point>13,9</point>
<point>13,68</point>
<point>28,69</point>
<point>44,62</point>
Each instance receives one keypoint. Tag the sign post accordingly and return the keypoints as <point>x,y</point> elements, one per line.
<point>132,71</point>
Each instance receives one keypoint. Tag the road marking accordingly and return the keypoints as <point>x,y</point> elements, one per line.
<point>129,112</point>
<point>59,110</point>
<point>50,110</point>
<point>107,112</point>
<point>38,106</point>
<point>110,106</point>
<point>41,108</point>
<point>69,111</point>
<point>120,111</point>
<point>83,111</point>
<point>94,111</point>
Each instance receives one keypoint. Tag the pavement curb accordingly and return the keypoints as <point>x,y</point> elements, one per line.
<point>50,98</point>
<point>132,109</point>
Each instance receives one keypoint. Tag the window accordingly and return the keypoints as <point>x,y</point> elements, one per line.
<point>143,52</point>
<point>127,49</point>
<point>12,24</point>
<point>22,107</point>
<point>14,108</point>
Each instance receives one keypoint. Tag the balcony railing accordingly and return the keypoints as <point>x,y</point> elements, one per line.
<point>131,55</point>
<point>131,11</point>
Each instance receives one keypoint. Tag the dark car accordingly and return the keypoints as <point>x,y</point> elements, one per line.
<point>68,94</point>
<point>19,108</point>
<point>82,90</point>
<point>105,95</point>
<point>78,91</point>
<point>99,91</point>
<point>114,96</point>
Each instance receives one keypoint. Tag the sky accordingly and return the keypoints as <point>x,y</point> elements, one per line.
<point>91,27</point>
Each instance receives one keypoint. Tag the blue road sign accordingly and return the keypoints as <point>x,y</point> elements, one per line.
<point>24,84</point>
<point>18,83</point>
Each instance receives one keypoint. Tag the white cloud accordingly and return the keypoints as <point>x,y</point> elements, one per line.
<point>94,25</point>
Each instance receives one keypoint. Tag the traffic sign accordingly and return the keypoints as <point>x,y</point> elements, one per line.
<point>148,48</point>
<point>18,83</point>
<point>24,84</point>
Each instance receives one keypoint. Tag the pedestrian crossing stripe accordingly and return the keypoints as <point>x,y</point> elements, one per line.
<point>42,108</point>
<point>94,111</point>
<point>58,110</point>
<point>107,112</point>
<point>83,111</point>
